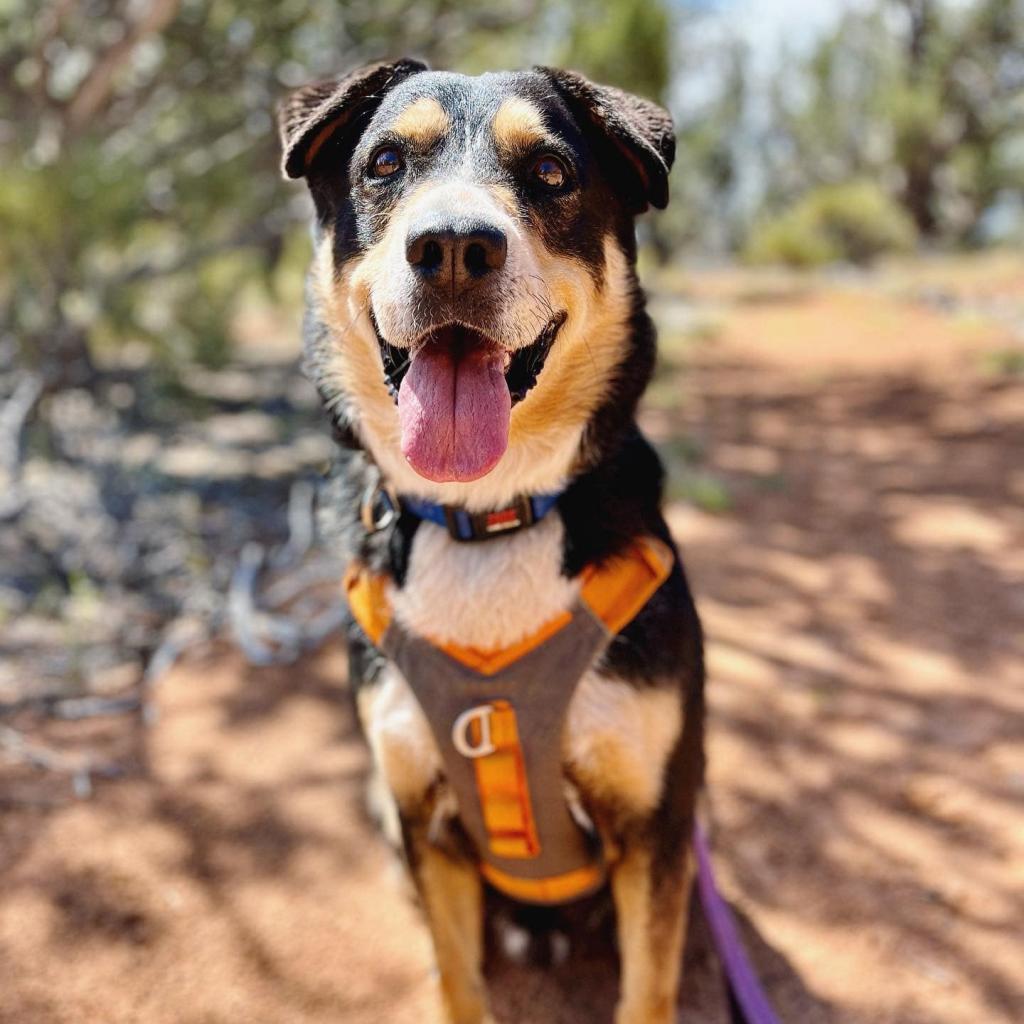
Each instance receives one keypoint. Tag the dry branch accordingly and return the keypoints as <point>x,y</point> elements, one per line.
<point>94,92</point>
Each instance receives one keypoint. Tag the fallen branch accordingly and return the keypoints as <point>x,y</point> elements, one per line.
<point>13,416</point>
<point>74,709</point>
<point>81,770</point>
<point>308,577</point>
<point>94,92</point>
<point>301,525</point>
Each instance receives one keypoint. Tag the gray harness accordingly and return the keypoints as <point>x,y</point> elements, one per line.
<point>499,717</point>
<point>539,687</point>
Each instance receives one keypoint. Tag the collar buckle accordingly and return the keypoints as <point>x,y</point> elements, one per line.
<point>472,526</point>
<point>462,525</point>
<point>379,507</point>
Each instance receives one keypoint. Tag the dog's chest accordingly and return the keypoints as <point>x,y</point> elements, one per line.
<point>489,596</point>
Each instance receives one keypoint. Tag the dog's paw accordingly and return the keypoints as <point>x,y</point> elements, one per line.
<point>658,1012</point>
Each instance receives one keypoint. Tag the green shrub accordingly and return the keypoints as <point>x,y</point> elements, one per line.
<point>855,222</point>
<point>1005,362</point>
<point>792,239</point>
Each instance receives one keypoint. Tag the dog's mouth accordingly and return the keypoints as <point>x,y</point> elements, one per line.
<point>521,373</point>
<point>455,388</point>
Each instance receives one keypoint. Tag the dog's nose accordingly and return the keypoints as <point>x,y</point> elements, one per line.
<point>455,257</point>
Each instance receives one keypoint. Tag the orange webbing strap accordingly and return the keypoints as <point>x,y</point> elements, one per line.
<point>501,774</point>
<point>502,787</point>
<point>554,889</point>
<point>489,663</point>
<point>368,600</point>
<point>617,590</point>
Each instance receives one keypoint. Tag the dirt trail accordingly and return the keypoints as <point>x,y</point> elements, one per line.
<point>862,597</point>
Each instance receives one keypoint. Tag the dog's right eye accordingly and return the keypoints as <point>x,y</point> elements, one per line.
<point>385,162</point>
<point>549,171</point>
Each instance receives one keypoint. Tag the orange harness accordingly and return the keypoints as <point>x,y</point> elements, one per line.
<point>497,716</point>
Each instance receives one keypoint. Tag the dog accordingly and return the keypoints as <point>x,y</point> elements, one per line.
<point>478,336</point>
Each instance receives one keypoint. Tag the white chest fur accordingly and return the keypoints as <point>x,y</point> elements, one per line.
<point>490,595</point>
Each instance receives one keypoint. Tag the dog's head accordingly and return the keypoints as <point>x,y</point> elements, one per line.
<point>473,284</point>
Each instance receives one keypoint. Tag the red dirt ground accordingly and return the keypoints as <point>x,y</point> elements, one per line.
<point>863,596</point>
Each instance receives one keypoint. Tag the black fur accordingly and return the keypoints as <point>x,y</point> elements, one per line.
<point>616,492</point>
<point>619,149</point>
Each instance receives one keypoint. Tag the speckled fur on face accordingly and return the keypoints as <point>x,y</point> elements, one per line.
<point>466,146</point>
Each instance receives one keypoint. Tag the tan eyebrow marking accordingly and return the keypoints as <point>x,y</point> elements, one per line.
<point>423,122</point>
<point>518,124</point>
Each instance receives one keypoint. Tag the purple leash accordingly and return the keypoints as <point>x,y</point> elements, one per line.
<point>746,990</point>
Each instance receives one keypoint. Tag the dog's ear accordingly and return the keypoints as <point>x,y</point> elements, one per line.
<point>326,110</point>
<point>638,135</point>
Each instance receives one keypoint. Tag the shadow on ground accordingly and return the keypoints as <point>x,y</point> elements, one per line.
<point>237,874</point>
<point>862,599</point>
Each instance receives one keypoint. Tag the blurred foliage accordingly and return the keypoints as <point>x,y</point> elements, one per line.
<point>924,96</point>
<point>854,222</point>
<point>710,156</point>
<point>627,43</point>
<point>142,197</point>
<point>1006,362</point>
<point>142,192</point>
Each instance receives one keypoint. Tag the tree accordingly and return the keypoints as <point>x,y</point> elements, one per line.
<point>628,44</point>
<point>141,182</point>
<point>925,96</point>
<point>707,210</point>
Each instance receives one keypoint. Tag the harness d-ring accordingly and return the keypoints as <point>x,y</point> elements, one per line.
<point>481,715</point>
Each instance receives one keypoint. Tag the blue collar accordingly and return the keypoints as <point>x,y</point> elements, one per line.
<point>381,506</point>
<point>525,511</point>
<point>463,525</point>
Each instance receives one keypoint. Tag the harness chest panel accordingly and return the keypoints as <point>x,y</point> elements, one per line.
<point>498,719</point>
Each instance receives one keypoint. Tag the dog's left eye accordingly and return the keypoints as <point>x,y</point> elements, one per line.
<point>386,161</point>
<point>550,171</point>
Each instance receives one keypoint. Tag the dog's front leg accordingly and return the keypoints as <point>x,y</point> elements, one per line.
<point>651,883</point>
<point>452,895</point>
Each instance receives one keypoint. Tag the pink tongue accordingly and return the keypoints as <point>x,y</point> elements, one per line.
<point>454,411</point>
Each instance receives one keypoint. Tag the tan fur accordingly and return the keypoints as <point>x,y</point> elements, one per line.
<point>589,346</point>
<point>403,746</point>
<point>506,198</point>
<point>546,429</point>
<point>651,932</point>
<point>423,122</point>
<point>517,125</point>
<point>618,739</point>
<point>452,895</point>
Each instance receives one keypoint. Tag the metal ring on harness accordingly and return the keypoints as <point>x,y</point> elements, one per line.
<point>379,507</point>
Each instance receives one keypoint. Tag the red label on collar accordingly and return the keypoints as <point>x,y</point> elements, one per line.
<point>506,519</point>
